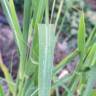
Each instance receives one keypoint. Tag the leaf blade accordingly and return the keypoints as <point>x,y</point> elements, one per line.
<point>81,35</point>
<point>46,50</point>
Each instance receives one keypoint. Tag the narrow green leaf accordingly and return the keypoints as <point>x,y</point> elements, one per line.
<point>81,35</point>
<point>74,86</point>
<point>27,17</point>
<point>47,12</point>
<point>46,52</point>
<point>39,8</point>
<point>10,13</point>
<point>18,35</point>
<point>61,81</point>
<point>52,11</point>
<point>59,12</point>
<point>91,58</point>
<point>7,75</point>
<point>90,83</point>
<point>1,91</point>
<point>14,16</point>
<point>91,37</point>
<point>65,61</point>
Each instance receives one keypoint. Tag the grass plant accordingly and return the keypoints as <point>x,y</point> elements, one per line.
<point>37,76</point>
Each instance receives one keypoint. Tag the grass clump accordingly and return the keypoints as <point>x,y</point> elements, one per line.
<point>36,71</point>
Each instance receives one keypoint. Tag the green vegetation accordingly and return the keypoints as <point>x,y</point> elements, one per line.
<point>36,75</point>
